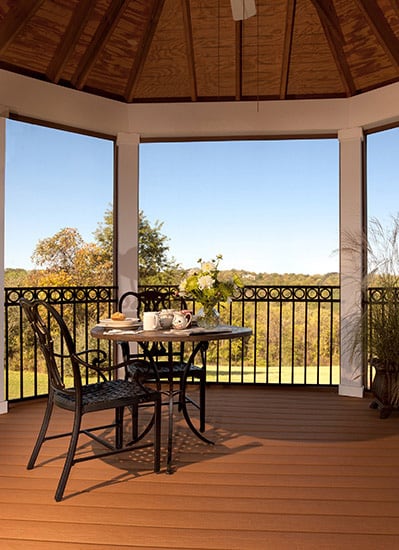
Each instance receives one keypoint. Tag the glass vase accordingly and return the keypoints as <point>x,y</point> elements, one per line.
<point>208,317</point>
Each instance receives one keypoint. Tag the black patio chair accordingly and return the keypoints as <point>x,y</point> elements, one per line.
<point>52,334</point>
<point>156,300</point>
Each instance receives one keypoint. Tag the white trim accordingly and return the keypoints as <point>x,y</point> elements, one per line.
<point>127,207</point>
<point>3,403</point>
<point>351,224</point>
<point>33,98</point>
<point>351,391</point>
<point>126,138</point>
<point>350,134</point>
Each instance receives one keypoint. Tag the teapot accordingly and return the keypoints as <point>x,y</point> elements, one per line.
<point>181,319</point>
<point>166,318</point>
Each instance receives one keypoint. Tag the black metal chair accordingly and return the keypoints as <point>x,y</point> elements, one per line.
<point>82,398</point>
<point>154,300</point>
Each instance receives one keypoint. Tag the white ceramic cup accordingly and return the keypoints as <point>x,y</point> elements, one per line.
<point>151,320</point>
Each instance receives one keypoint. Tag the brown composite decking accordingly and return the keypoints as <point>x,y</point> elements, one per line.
<point>291,469</point>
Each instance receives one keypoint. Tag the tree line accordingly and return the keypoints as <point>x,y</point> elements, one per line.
<point>65,259</point>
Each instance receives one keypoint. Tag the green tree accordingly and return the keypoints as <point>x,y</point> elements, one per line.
<point>104,235</point>
<point>155,266</point>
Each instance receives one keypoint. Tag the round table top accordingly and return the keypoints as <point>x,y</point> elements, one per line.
<point>192,334</point>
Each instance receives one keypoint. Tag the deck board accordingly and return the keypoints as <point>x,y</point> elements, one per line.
<point>291,468</point>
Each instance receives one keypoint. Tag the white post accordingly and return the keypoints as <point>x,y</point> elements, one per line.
<point>127,211</point>
<point>3,402</point>
<point>351,223</point>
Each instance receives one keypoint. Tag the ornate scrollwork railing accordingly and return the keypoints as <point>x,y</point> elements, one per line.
<point>295,335</point>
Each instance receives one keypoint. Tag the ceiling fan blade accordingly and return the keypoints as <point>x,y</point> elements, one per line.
<point>242,9</point>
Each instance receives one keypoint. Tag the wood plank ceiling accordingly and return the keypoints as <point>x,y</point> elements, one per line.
<point>193,50</point>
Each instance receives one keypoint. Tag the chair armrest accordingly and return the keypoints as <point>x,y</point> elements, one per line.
<point>101,369</point>
<point>100,357</point>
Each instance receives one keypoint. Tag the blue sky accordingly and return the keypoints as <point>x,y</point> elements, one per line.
<point>266,206</point>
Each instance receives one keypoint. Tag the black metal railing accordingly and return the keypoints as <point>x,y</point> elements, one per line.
<point>82,307</point>
<point>295,335</point>
<point>380,325</point>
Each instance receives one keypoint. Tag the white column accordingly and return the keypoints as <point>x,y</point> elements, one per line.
<point>127,211</point>
<point>3,402</point>
<point>351,223</point>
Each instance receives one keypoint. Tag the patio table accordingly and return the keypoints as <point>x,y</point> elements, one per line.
<point>200,337</point>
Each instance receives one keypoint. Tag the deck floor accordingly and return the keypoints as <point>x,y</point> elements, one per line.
<point>291,469</point>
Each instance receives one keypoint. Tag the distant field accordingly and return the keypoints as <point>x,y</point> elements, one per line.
<point>288,375</point>
<point>28,390</point>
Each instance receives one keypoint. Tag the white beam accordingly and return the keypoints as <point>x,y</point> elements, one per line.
<point>3,402</point>
<point>351,224</point>
<point>127,208</point>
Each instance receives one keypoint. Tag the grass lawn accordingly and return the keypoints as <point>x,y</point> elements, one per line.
<point>288,375</point>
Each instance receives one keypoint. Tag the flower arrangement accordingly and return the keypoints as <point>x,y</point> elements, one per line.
<point>204,286</point>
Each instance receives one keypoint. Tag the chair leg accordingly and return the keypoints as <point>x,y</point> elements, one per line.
<point>157,434</point>
<point>135,422</point>
<point>202,401</point>
<point>42,433</point>
<point>69,461</point>
<point>119,427</point>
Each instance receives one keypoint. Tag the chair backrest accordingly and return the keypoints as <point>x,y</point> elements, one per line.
<point>135,303</point>
<point>46,322</point>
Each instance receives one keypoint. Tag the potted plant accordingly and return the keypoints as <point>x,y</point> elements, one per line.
<point>377,328</point>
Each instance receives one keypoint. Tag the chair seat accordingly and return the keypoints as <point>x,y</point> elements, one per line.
<point>178,370</point>
<point>105,395</point>
<point>163,370</point>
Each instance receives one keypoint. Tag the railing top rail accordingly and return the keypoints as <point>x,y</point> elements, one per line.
<point>61,294</point>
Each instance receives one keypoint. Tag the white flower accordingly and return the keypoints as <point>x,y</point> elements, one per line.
<point>206,281</point>
<point>207,266</point>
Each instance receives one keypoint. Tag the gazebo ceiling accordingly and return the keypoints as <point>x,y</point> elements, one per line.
<point>193,50</point>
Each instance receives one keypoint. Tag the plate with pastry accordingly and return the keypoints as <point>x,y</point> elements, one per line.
<point>119,320</point>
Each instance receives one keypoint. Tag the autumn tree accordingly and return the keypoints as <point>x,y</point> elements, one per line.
<point>67,260</point>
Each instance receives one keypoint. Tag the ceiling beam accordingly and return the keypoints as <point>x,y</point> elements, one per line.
<point>395,7</point>
<point>15,19</point>
<point>289,30</point>
<point>104,30</point>
<point>69,40</point>
<point>238,59</point>
<point>328,17</point>
<point>383,32</point>
<point>188,33</point>
<point>143,49</point>
<point>336,45</point>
